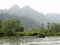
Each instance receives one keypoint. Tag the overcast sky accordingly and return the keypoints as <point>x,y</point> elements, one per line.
<point>44,6</point>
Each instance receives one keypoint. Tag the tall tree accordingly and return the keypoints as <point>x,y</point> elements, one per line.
<point>11,24</point>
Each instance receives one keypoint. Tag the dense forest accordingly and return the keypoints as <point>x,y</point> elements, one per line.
<point>13,27</point>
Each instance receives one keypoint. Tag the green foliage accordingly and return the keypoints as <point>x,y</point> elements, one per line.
<point>1,32</point>
<point>10,33</point>
<point>57,27</point>
<point>11,24</point>
<point>51,30</point>
<point>20,29</point>
<point>20,33</point>
<point>10,27</point>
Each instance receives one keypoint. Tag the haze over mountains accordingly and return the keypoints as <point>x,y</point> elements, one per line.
<point>29,17</point>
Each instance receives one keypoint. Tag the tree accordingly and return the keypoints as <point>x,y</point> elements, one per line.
<point>1,30</point>
<point>11,24</point>
<point>20,29</point>
<point>56,27</point>
<point>10,33</point>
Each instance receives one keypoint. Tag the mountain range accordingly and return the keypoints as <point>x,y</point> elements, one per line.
<point>28,16</point>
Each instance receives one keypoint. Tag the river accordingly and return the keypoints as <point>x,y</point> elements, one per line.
<point>29,40</point>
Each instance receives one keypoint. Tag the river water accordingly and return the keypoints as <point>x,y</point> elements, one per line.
<point>29,40</point>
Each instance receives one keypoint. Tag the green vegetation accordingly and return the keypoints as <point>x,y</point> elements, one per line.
<point>52,29</point>
<point>10,27</point>
<point>13,27</point>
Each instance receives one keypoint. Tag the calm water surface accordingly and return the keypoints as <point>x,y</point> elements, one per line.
<point>29,40</point>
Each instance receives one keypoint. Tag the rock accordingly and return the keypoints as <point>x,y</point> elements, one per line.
<point>40,36</point>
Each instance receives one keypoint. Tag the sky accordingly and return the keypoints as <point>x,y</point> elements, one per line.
<point>44,6</point>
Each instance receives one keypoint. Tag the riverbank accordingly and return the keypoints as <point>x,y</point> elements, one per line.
<point>31,34</point>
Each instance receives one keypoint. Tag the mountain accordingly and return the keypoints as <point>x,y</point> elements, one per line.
<point>55,18</point>
<point>28,16</point>
<point>30,13</point>
<point>26,22</point>
<point>15,10</point>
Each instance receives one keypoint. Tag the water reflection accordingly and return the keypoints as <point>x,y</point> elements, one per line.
<point>28,40</point>
<point>10,40</point>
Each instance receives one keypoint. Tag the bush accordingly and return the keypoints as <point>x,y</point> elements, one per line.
<point>20,34</point>
<point>57,33</point>
<point>1,33</point>
<point>10,33</point>
<point>34,34</point>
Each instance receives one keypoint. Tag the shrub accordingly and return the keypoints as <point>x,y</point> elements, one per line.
<point>10,33</point>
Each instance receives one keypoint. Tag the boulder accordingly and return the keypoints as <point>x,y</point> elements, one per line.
<point>40,36</point>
